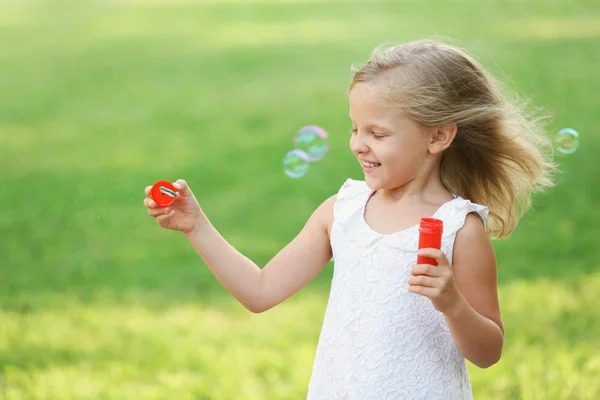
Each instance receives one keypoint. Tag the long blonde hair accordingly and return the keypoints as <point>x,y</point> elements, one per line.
<point>500,154</point>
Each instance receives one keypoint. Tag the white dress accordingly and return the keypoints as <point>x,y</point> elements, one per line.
<point>378,340</point>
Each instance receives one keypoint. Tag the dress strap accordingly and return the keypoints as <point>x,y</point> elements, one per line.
<point>454,217</point>
<point>350,199</point>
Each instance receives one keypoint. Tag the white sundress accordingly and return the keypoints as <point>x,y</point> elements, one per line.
<point>378,340</point>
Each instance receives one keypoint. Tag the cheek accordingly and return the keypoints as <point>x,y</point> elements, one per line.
<point>402,156</point>
<point>414,147</point>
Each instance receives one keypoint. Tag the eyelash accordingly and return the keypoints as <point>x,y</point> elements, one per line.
<point>375,135</point>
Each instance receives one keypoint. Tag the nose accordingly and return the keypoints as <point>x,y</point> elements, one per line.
<point>357,144</point>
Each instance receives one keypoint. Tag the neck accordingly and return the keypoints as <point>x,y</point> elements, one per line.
<point>424,186</point>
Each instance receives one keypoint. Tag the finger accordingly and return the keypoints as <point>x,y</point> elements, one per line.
<point>422,280</point>
<point>147,190</point>
<point>149,203</point>
<point>165,216</point>
<point>436,254</point>
<point>425,269</point>
<point>424,290</point>
<point>155,212</point>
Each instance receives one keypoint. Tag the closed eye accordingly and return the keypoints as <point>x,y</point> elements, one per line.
<point>376,135</point>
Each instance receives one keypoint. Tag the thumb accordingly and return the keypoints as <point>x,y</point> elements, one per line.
<point>436,254</point>
<point>181,186</point>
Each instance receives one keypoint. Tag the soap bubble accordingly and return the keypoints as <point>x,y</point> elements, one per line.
<point>566,141</point>
<point>310,145</point>
<point>296,163</point>
<point>312,140</point>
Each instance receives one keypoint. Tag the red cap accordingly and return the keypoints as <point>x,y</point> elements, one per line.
<point>431,226</point>
<point>163,193</point>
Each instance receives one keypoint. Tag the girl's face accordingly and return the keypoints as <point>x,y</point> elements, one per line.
<point>390,147</point>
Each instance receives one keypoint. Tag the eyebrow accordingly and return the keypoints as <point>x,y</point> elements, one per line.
<point>379,127</point>
<point>373,125</point>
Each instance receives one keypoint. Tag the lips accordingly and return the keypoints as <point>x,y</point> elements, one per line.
<point>369,164</point>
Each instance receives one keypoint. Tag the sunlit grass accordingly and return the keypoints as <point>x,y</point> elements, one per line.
<point>551,341</point>
<point>189,349</point>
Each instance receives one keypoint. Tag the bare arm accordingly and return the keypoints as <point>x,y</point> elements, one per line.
<point>476,322</point>
<point>290,270</point>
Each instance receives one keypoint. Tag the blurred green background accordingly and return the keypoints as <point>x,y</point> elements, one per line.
<point>101,98</point>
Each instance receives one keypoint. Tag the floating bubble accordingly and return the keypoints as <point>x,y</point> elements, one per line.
<point>296,163</point>
<point>566,141</point>
<point>312,140</point>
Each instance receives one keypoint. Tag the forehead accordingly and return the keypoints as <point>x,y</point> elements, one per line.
<point>366,105</point>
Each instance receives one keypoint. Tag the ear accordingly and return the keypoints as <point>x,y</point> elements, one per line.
<point>442,138</point>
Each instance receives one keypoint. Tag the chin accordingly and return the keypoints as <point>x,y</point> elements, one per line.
<point>373,184</point>
<point>382,184</point>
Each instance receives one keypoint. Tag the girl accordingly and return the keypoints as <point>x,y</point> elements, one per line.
<point>435,138</point>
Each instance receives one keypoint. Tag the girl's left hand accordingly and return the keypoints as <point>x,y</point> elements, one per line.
<point>435,282</point>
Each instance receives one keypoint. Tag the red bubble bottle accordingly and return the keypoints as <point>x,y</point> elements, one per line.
<point>430,236</point>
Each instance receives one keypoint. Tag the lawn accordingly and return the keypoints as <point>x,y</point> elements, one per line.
<point>101,98</point>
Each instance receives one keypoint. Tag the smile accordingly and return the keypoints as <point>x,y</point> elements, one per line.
<point>369,164</point>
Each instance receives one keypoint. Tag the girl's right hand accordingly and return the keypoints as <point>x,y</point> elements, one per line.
<point>182,215</point>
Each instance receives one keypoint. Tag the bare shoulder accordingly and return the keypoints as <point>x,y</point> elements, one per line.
<point>473,247</point>
<point>328,203</point>
<point>322,217</point>
<point>325,212</point>
<point>475,268</point>
<point>473,229</point>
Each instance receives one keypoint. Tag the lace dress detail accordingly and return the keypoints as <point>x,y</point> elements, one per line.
<point>378,340</point>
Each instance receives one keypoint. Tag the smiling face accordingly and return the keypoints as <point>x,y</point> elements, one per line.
<point>391,147</point>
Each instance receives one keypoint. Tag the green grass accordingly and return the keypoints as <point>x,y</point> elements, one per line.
<point>100,99</point>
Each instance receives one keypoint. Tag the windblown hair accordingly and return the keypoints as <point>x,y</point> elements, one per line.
<point>500,155</point>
